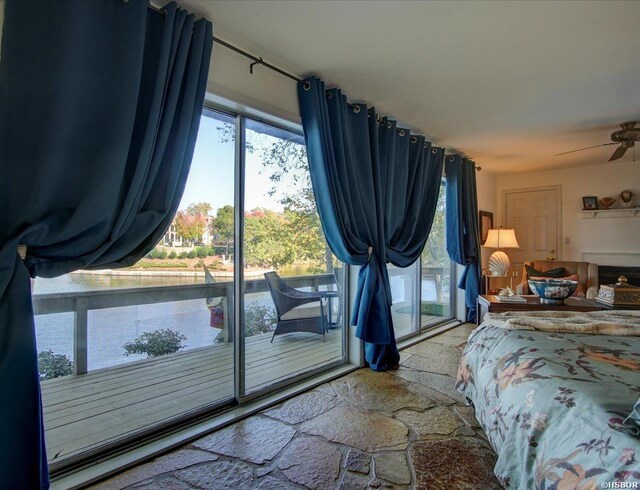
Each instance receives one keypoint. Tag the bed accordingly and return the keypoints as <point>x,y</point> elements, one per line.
<point>557,405</point>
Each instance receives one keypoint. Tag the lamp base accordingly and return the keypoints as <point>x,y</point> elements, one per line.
<point>499,263</point>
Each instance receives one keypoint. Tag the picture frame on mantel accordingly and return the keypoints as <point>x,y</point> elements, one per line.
<point>589,203</point>
<point>486,223</point>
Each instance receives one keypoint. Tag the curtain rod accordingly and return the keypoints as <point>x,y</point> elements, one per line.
<point>257,60</point>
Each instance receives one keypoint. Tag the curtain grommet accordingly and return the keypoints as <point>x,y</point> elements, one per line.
<point>306,85</point>
<point>401,133</point>
<point>433,150</point>
<point>329,95</point>
<point>389,125</point>
<point>413,139</point>
<point>356,108</point>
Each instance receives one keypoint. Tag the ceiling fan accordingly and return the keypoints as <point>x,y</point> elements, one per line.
<point>625,137</point>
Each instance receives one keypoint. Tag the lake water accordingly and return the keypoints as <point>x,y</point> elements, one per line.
<point>109,329</point>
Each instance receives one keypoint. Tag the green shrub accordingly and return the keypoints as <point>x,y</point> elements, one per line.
<point>160,265</point>
<point>192,254</point>
<point>162,254</point>
<point>172,255</point>
<point>257,319</point>
<point>201,252</point>
<point>52,365</point>
<point>211,252</point>
<point>183,255</point>
<point>156,343</point>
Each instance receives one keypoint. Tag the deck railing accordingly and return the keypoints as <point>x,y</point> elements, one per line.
<point>80,302</point>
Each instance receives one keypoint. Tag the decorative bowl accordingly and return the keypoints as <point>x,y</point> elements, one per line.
<point>607,202</point>
<point>553,291</point>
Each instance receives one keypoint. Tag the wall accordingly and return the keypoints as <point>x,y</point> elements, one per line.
<point>580,235</point>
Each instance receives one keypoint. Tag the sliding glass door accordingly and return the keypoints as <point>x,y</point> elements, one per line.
<point>437,279</point>
<point>126,353</point>
<point>291,303</point>
<point>421,293</point>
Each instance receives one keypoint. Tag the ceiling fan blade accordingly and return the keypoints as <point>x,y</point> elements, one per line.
<point>619,153</point>
<point>587,148</point>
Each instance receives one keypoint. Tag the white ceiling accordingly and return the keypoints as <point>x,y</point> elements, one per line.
<point>507,83</point>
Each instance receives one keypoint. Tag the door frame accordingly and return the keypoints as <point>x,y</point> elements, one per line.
<point>558,189</point>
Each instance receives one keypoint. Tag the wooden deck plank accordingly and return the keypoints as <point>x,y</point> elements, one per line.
<point>85,412</point>
<point>258,373</point>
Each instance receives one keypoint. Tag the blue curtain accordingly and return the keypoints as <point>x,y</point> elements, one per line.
<point>376,188</point>
<point>463,234</point>
<point>100,103</point>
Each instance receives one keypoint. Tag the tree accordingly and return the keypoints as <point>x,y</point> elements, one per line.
<point>189,226</point>
<point>199,209</point>
<point>286,162</point>
<point>156,343</point>
<point>435,251</point>
<point>266,241</point>
<point>223,226</point>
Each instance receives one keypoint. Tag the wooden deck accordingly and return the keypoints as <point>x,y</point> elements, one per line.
<point>85,412</point>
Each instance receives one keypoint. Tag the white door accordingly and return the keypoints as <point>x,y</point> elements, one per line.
<point>535,217</point>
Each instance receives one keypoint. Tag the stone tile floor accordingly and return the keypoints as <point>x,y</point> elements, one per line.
<point>407,428</point>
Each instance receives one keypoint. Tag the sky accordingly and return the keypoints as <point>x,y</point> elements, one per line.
<point>211,178</point>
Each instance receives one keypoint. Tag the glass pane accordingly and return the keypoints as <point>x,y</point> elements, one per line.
<point>436,270</point>
<point>285,335</point>
<point>404,309</point>
<point>163,337</point>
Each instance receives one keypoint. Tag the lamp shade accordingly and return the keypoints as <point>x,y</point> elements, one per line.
<point>501,238</point>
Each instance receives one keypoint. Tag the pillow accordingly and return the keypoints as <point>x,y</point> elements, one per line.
<point>579,292</point>
<point>557,273</point>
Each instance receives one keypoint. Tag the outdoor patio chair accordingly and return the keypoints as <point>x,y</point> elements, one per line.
<point>298,311</point>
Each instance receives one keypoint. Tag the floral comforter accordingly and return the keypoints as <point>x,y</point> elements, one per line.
<point>552,406</point>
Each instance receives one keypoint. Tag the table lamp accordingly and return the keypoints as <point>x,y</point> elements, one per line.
<point>500,238</point>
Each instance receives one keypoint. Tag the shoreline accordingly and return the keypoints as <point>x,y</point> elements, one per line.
<point>120,272</point>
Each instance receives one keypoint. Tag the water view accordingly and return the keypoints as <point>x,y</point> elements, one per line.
<point>109,329</point>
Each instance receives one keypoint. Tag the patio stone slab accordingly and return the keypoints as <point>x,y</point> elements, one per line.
<point>434,358</point>
<point>271,483</point>
<point>457,463</point>
<point>455,339</point>
<point>468,414</point>
<point>379,391</point>
<point>441,383</point>
<point>303,407</point>
<point>424,364</point>
<point>393,467</point>
<point>164,464</point>
<point>311,462</point>
<point>437,352</point>
<point>464,431</point>
<point>367,431</point>
<point>358,461</point>
<point>352,481</point>
<point>221,475</point>
<point>165,482</point>
<point>326,389</point>
<point>256,439</point>
<point>439,420</point>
